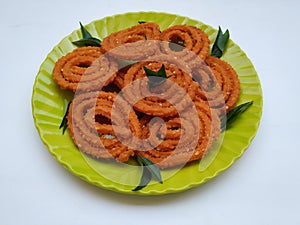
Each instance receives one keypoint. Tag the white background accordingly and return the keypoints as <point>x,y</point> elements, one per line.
<point>262,187</point>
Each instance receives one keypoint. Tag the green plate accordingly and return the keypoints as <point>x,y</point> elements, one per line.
<point>48,106</point>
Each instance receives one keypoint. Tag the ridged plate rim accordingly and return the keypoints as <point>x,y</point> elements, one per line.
<point>48,108</point>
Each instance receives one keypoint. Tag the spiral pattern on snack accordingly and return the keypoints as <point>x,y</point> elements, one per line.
<point>84,69</point>
<point>134,43</point>
<point>185,130</point>
<point>180,40</point>
<point>118,113</point>
<point>227,79</point>
<point>166,93</point>
<point>90,125</point>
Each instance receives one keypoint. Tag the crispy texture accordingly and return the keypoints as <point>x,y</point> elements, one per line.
<point>90,125</point>
<point>219,84</point>
<point>181,145</point>
<point>192,38</point>
<point>227,79</point>
<point>106,125</point>
<point>133,43</point>
<point>176,89</point>
<point>84,69</point>
<point>119,79</point>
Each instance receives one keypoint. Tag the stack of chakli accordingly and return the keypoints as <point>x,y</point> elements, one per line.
<point>114,113</point>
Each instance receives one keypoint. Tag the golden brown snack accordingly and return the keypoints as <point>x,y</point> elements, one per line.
<point>134,43</point>
<point>204,107</point>
<point>179,89</point>
<point>182,144</point>
<point>90,125</point>
<point>191,38</point>
<point>227,79</point>
<point>119,79</point>
<point>218,84</point>
<point>110,126</point>
<point>84,68</point>
<point>208,87</point>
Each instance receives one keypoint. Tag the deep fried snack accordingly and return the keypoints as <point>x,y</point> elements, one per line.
<point>134,43</point>
<point>208,87</point>
<point>214,98</point>
<point>181,145</point>
<point>218,84</point>
<point>119,79</point>
<point>90,125</point>
<point>160,100</point>
<point>181,40</point>
<point>190,98</point>
<point>227,79</point>
<point>84,68</point>
<point>204,107</point>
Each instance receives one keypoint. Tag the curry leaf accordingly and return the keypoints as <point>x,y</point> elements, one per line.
<point>87,38</point>
<point>156,78</point>
<point>220,43</point>
<point>232,115</point>
<point>153,168</point>
<point>149,169</point>
<point>64,122</point>
<point>145,179</point>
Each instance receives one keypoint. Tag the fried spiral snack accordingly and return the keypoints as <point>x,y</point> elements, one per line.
<point>134,43</point>
<point>181,40</point>
<point>182,144</point>
<point>227,79</point>
<point>209,89</point>
<point>218,82</point>
<point>119,79</point>
<point>87,66</point>
<point>192,92</point>
<point>90,125</point>
<point>158,101</point>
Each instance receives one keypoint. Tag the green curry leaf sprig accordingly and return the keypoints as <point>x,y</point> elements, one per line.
<point>87,39</point>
